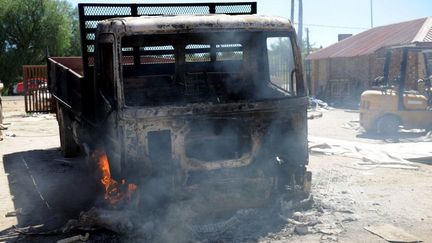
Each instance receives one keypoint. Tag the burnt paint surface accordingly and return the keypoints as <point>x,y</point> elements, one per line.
<point>228,156</point>
<point>231,152</point>
<point>273,130</point>
<point>240,148</point>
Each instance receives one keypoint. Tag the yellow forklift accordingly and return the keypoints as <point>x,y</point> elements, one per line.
<point>389,105</point>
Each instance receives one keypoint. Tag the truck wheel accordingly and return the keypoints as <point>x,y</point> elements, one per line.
<point>388,125</point>
<point>69,147</point>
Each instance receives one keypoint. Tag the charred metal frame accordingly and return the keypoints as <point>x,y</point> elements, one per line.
<point>91,14</point>
<point>152,141</point>
<point>276,128</point>
<point>87,30</point>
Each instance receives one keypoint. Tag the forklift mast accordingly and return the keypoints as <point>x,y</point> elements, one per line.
<point>401,81</point>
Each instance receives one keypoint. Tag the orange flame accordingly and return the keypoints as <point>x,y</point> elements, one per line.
<point>114,192</point>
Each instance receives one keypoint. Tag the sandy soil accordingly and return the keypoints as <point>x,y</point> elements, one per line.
<point>44,188</point>
<point>36,182</point>
<point>399,197</point>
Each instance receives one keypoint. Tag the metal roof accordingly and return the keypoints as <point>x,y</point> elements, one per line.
<point>369,41</point>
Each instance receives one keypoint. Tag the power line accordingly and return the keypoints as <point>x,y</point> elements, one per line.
<point>335,26</point>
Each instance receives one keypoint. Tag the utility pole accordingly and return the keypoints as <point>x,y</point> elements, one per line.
<point>371,12</point>
<point>300,26</point>
<point>308,64</point>
<point>292,12</point>
<point>307,41</point>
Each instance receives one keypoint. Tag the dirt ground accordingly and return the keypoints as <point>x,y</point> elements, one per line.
<point>39,187</point>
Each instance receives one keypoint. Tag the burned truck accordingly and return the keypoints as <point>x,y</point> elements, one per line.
<point>206,104</point>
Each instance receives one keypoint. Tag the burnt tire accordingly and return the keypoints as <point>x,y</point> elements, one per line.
<point>69,147</point>
<point>388,125</point>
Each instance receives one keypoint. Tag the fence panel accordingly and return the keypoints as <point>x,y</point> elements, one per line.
<point>36,94</point>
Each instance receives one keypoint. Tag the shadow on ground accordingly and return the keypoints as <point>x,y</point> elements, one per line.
<point>47,190</point>
<point>402,136</point>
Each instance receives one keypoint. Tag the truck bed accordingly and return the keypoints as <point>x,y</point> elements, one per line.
<point>73,63</point>
<point>65,79</point>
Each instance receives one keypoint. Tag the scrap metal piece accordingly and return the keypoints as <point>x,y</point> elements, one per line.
<point>76,238</point>
<point>391,233</point>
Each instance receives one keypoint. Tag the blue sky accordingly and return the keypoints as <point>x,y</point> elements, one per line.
<point>328,18</point>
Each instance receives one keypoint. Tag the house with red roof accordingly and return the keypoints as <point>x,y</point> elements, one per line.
<point>343,70</point>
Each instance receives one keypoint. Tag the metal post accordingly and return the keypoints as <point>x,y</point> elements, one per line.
<point>308,64</point>
<point>136,50</point>
<point>212,8</point>
<point>253,8</point>
<point>386,67</point>
<point>403,69</point>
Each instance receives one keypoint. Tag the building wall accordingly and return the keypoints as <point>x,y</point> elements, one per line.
<point>320,76</point>
<point>346,78</point>
<point>339,78</point>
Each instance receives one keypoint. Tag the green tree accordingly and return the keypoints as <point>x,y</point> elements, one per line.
<point>75,41</point>
<point>28,29</point>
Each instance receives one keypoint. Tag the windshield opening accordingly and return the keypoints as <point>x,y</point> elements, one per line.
<point>281,63</point>
<point>206,68</point>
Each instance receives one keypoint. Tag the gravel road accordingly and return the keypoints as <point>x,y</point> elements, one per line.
<point>38,186</point>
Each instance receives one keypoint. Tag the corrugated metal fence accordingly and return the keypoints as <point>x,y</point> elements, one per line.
<point>36,95</point>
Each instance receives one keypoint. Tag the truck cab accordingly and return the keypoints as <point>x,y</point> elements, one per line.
<point>212,105</point>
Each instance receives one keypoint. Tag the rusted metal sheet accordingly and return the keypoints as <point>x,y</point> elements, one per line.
<point>373,39</point>
<point>36,94</point>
